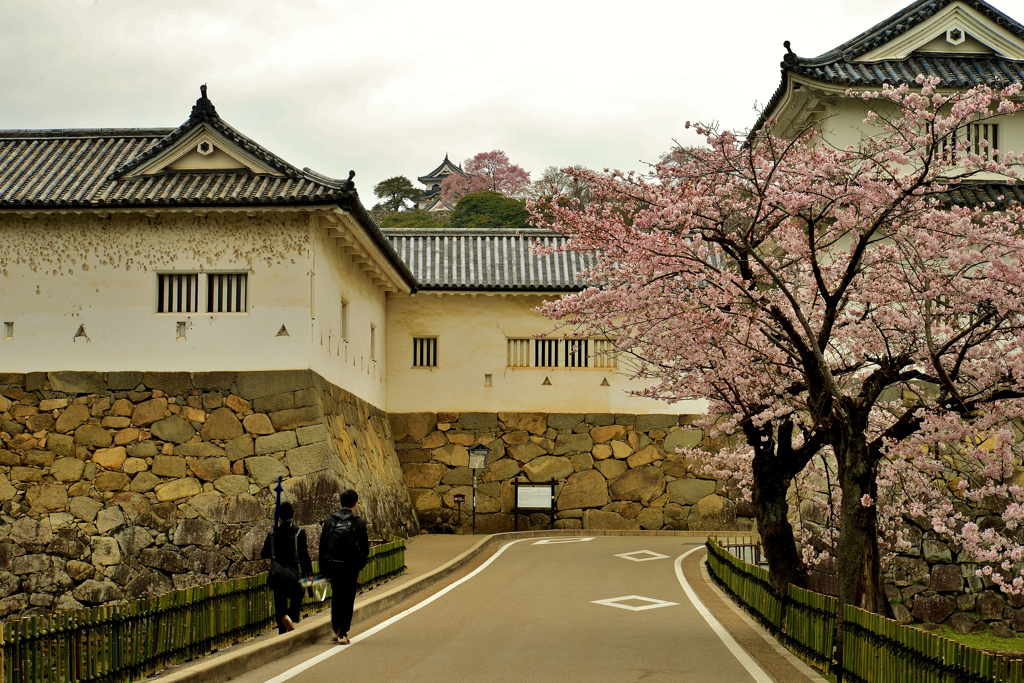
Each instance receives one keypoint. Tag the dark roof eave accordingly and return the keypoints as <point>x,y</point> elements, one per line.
<point>773,102</point>
<point>354,206</point>
<point>492,288</point>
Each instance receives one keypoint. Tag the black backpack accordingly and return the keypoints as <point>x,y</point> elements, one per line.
<point>341,541</point>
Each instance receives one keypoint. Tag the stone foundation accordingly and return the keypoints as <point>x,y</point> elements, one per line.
<point>612,471</point>
<point>933,583</point>
<point>128,484</point>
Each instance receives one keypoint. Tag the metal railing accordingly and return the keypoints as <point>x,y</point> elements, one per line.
<point>876,650</point>
<point>126,642</point>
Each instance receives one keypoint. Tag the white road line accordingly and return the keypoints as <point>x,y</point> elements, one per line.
<point>337,649</point>
<point>738,652</point>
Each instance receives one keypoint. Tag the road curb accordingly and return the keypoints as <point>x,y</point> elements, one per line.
<point>310,630</point>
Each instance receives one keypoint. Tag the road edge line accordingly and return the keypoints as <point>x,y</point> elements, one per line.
<point>779,648</point>
<point>756,672</point>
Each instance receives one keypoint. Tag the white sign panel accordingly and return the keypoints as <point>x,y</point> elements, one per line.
<point>534,497</point>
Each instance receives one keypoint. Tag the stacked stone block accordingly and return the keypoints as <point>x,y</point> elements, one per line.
<point>128,484</point>
<point>933,582</point>
<point>613,471</point>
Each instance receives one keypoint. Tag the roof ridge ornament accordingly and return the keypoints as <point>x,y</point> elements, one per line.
<point>790,56</point>
<point>203,108</point>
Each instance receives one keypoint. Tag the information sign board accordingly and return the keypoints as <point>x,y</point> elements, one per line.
<point>533,496</point>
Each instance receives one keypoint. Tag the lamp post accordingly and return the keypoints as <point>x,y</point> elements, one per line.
<point>477,461</point>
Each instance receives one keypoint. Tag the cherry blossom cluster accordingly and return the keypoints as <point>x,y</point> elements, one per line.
<point>839,304</point>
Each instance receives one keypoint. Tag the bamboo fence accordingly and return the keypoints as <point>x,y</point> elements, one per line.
<point>877,650</point>
<point>120,643</point>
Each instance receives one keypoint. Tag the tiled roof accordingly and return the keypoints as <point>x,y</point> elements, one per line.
<point>975,193</point>
<point>488,260</point>
<point>955,70</point>
<point>75,168</point>
<point>89,169</point>
<point>906,19</point>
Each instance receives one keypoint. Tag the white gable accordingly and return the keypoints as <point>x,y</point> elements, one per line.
<point>203,149</point>
<point>980,34</point>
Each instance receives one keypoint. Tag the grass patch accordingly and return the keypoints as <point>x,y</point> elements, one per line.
<point>982,640</point>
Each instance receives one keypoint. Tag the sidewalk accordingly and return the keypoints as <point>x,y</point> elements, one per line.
<point>430,559</point>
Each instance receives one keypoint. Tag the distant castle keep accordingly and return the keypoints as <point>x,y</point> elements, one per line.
<point>432,182</point>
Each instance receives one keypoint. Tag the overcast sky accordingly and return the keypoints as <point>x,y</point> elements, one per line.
<point>388,87</point>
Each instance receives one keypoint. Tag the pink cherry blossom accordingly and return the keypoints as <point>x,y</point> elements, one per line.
<point>860,331</point>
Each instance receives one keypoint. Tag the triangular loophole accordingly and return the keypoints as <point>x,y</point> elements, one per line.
<point>604,382</point>
<point>546,382</point>
<point>81,332</point>
<point>283,332</point>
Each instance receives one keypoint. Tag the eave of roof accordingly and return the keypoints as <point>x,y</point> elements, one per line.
<point>976,193</point>
<point>839,65</point>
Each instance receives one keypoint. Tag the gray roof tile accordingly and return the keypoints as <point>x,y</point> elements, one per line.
<point>489,260</point>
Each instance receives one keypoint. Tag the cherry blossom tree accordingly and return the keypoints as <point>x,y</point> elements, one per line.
<point>486,171</point>
<point>796,286</point>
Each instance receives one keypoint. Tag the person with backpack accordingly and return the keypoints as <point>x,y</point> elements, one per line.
<point>344,549</point>
<point>287,549</point>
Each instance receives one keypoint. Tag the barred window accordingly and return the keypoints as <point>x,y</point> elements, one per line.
<point>177,293</point>
<point>976,132</point>
<point>576,353</point>
<point>227,292</point>
<point>518,353</point>
<point>604,354</point>
<point>424,352</point>
<point>545,353</point>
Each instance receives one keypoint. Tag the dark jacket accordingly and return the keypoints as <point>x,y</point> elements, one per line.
<point>362,542</point>
<point>284,543</point>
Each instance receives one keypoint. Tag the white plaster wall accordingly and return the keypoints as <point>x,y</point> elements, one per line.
<point>60,272</point>
<point>845,126</point>
<point>346,362</point>
<point>472,333</point>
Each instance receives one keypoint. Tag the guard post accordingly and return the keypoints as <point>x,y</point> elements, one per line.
<point>530,496</point>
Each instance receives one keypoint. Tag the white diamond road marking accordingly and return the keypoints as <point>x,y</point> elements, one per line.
<point>553,541</point>
<point>617,602</point>
<point>636,556</point>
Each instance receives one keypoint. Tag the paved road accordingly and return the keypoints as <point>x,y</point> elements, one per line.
<point>533,612</point>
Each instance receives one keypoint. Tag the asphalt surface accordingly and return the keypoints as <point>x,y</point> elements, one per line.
<point>529,612</point>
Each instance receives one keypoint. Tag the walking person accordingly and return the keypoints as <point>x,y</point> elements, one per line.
<point>344,548</point>
<point>288,549</point>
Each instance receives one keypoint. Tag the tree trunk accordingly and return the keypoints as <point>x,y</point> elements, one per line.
<point>771,509</point>
<point>857,553</point>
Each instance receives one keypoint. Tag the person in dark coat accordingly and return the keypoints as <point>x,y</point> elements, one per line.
<point>289,548</point>
<point>343,568</point>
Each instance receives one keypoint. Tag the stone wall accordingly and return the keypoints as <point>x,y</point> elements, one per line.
<point>934,583</point>
<point>612,471</point>
<point>129,484</point>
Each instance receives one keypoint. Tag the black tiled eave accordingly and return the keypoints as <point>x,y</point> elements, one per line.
<point>953,72</point>
<point>974,194</point>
